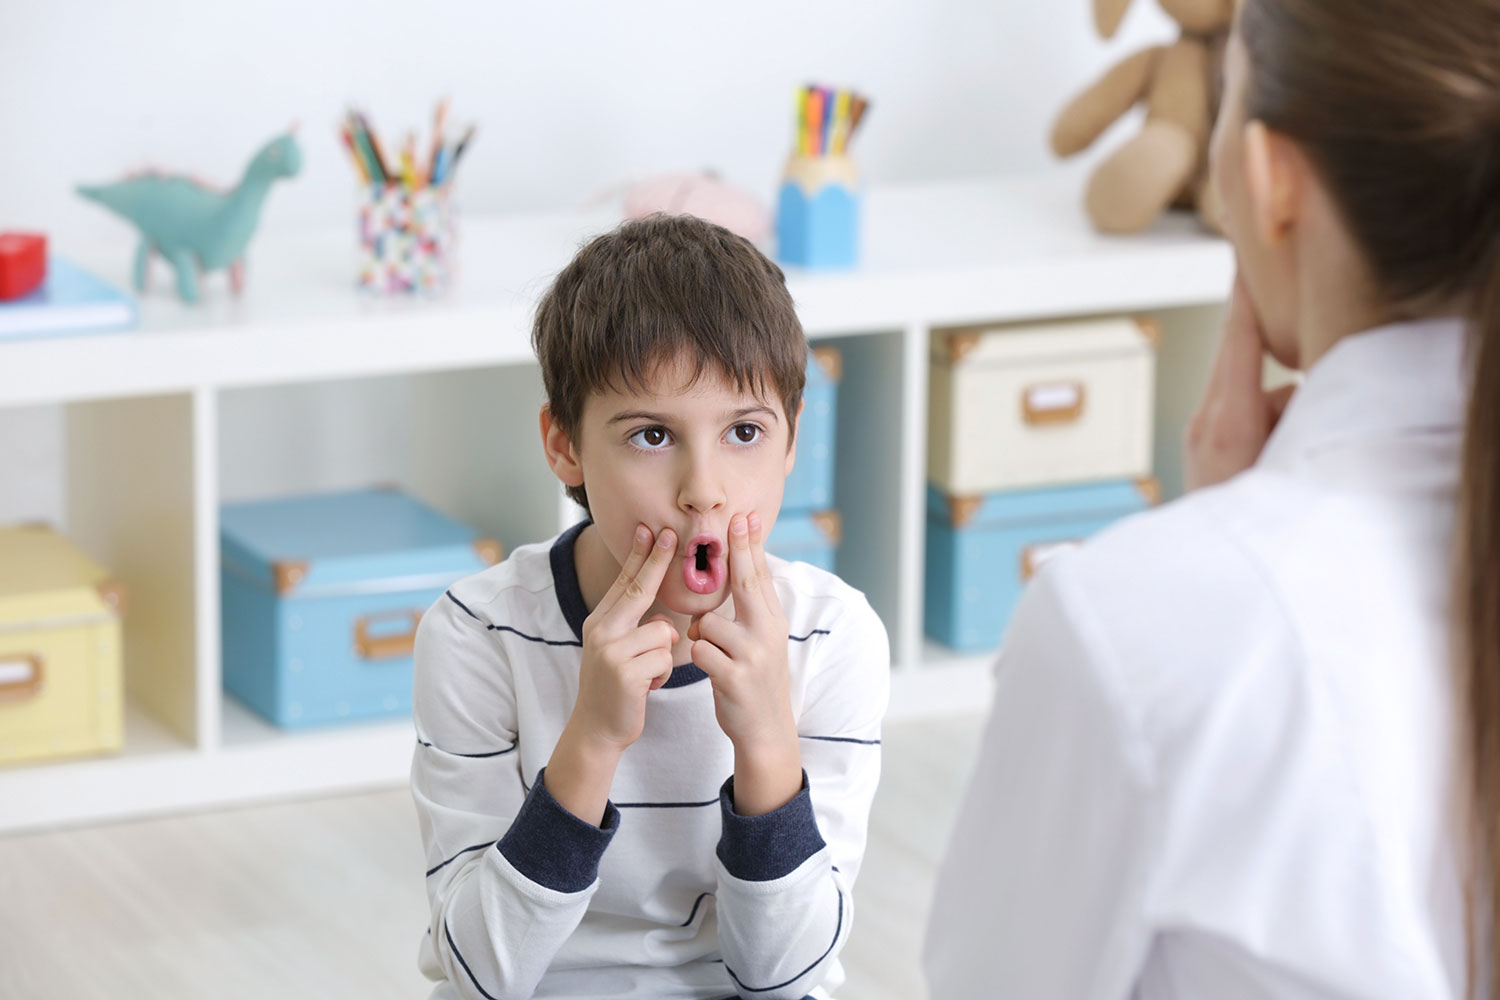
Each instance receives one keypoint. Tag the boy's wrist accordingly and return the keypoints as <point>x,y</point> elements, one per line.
<point>581,772</point>
<point>767,773</point>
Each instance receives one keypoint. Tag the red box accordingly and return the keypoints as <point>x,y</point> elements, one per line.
<point>23,263</point>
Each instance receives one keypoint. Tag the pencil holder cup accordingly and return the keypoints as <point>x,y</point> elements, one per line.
<point>406,239</point>
<point>817,213</point>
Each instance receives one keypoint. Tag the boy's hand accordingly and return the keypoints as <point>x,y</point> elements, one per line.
<point>624,660</point>
<point>746,661</point>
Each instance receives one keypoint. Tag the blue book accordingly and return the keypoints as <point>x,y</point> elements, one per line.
<point>70,300</point>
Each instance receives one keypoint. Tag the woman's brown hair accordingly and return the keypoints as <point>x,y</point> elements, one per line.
<point>1397,105</point>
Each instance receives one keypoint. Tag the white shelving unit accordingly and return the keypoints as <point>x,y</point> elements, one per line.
<point>150,417</point>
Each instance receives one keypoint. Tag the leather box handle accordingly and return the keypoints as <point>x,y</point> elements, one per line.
<point>386,646</point>
<point>20,676</point>
<point>1053,402</point>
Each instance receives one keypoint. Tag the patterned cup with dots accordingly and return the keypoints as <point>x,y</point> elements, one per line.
<point>406,240</point>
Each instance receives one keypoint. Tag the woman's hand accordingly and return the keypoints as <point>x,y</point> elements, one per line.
<point>1237,415</point>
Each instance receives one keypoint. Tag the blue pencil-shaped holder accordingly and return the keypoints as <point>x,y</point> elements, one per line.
<point>817,213</point>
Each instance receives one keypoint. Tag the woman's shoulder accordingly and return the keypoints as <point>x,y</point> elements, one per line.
<point>1200,553</point>
<point>1171,606</point>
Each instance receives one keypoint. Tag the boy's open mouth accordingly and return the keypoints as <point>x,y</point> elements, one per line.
<point>703,569</point>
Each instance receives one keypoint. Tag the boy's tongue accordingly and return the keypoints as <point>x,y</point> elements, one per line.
<point>703,569</point>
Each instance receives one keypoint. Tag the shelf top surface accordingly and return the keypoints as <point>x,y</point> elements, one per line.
<point>935,253</point>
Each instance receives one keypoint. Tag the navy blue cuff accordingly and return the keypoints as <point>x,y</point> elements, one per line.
<point>762,848</point>
<point>551,846</point>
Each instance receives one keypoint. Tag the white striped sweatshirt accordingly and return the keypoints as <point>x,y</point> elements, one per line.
<point>674,895</point>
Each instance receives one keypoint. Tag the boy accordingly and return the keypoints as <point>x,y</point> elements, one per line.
<point>647,750</point>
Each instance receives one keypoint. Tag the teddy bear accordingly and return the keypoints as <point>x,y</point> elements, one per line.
<point>1166,164</point>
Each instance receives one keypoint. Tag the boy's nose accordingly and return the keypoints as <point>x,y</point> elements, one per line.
<point>700,492</point>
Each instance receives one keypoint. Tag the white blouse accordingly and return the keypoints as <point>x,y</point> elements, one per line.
<point>1221,757</point>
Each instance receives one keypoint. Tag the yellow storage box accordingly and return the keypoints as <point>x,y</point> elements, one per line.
<point>61,680</point>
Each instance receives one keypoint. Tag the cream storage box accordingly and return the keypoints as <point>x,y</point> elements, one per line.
<point>61,678</point>
<point>1041,405</point>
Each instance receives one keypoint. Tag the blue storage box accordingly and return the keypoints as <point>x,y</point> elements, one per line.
<point>817,213</point>
<point>810,486</point>
<point>806,536</point>
<point>321,596</point>
<point>981,551</point>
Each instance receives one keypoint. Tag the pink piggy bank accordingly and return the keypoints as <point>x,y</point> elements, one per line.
<point>705,196</point>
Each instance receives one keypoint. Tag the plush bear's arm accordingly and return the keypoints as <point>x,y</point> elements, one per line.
<point>1101,105</point>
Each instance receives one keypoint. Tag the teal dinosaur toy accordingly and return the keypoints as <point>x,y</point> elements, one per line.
<point>193,226</point>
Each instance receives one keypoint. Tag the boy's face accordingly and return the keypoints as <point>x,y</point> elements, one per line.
<point>686,457</point>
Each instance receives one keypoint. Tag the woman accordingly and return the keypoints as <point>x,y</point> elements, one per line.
<point>1248,745</point>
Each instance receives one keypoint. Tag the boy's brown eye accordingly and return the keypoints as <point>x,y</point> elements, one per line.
<point>746,433</point>
<point>654,436</point>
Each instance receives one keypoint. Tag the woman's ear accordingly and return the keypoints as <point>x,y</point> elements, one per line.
<point>562,454</point>
<point>1275,175</point>
<point>1108,14</point>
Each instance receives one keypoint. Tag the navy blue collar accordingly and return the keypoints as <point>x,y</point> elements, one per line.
<point>570,599</point>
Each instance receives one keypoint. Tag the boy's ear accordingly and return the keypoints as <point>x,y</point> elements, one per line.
<point>791,448</point>
<point>1275,173</point>
<point>561,453</point>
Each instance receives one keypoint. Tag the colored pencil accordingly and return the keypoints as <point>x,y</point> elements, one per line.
<point>354,154</point>
<point>408,168</point>
<point>826,119</point>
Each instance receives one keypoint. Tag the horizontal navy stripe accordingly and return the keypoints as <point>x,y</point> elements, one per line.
<point>804,638</point>
<point>515,631</point>
<point>781,986</point>
<point>466,850</point>
<point>450,753</point>
<point>665,805</point>
<point>534,638</point>
<point>701,897</point>
<point>840,739</point>
<point>459,955</point>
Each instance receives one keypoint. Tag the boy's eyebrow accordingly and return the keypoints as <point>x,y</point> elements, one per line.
<point>659,419</point>
<point>619,418</point>
<point>746,411</point>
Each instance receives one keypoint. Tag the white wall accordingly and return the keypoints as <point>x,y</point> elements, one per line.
<point>572,99</point>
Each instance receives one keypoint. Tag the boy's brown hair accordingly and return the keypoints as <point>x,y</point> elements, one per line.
<point>660,289</point>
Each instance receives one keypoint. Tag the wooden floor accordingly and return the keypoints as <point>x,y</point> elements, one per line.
<point>323,900</point>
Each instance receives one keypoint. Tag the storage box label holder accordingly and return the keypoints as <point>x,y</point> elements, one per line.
<point>20,676</point>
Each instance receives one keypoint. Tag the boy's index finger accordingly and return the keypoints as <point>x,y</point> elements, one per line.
<point>640,548</point>
<point>744,575</point>
<point>639,590</point>
<point>758,550</point>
